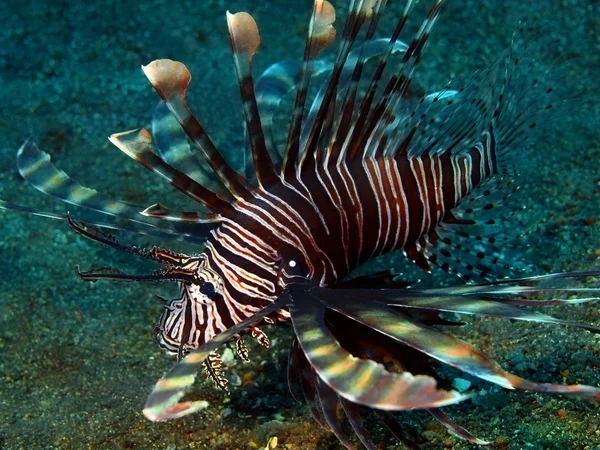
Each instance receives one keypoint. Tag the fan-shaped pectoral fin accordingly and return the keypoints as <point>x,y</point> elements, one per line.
<point>361,381</point>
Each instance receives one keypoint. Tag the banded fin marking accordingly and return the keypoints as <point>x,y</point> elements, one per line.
<point>373,12</point>
<point>137,145</point>
<point>436,344</point>
<point>320,35</point>
<point>274,84</point>
<point>360,12</point>
<point>171,80</point>
<point>372,118</point>
<point>369,50</point>
<point>163,403</point>
<point>245,41</point>
<point>351,377</point>
<point>367,101</point>
<point>282,78</point>
<point>36,167</point>
<point>418,299</point>
<point>173,146</point>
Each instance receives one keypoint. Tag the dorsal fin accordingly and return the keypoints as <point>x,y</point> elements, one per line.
<point>347,105</point>
<point>321,33</point>
<point>366,103</point>
<point>137,145</point>
<point>173,146</point>
<point>357,16</point>
<point>171,80</point>
<point>368,51</point>
<point>273,85</point>
<point>397,85</point>
<point>244,43</point>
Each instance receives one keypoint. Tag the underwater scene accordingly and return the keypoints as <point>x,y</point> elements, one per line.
<point>345,258</point>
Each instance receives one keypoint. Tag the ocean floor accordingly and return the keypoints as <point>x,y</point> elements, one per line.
<point>77,360</point>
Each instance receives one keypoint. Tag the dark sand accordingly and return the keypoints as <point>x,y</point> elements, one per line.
<point>77,360</point>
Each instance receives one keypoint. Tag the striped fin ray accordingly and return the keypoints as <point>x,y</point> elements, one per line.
<point>324,401</point>
<point>329,406</point>
<point>388,419</point>
<point>37,168</point>
<point>436,344</point>
<point>163,403</point>
<point>308,384</point>
<point>360,12</point>
<point>173,146</point>
<point>349,97</point>
<point>137,145</point>
<point>320,34</point>
<point>353,414</point>
<point>369,348</point>
<point>274,84</point>
<point>465,305</point>
<point>352,377</point>
<point>397,85</point>
<point>365,106</point>
<point>368,51</point>
<point>244,42</point>
<point>162,233</point>
<point>526,285</point>
<point>293,367</point>
<point>455,428</point>
<point>171,80</point>
<point>157,211</point>
<point>282,78</point>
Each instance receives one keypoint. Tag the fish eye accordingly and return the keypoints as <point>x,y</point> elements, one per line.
<point>208,289</point>
<point>294,268</point>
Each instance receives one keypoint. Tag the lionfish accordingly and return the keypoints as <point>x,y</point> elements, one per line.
<point>366,169</point>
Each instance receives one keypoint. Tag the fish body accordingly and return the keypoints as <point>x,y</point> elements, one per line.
<point>325,223</point>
